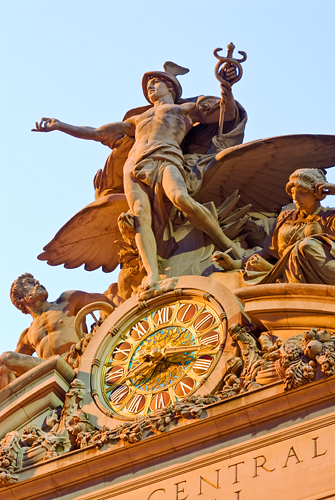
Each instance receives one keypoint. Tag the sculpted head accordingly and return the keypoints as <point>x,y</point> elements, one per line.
<point>158,87</point>
<point>305,179</point>
<point>26,291</point>
<point>169,77</point>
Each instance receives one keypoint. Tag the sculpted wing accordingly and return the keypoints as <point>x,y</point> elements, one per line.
<point>88,238</point>
<point>260,169</point>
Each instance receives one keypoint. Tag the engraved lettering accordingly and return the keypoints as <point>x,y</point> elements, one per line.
<point>150,496</point>
<point>160,402</point>
<point>123,351</point>
<point>262,465</point>
<point>235,473</point>
<point>180,491</point>
<point>238,494</point>
<point>184,387</point>
<point>210,483</point>
<point>292,453</point>
<point>316,454</point>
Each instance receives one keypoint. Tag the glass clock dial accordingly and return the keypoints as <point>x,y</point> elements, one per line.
<point>163,356</point>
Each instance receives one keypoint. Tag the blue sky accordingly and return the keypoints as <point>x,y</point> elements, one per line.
<point>82,62</point>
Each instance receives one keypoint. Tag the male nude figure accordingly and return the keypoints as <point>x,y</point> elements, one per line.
<point>158,133</point>
<point>51,331</point>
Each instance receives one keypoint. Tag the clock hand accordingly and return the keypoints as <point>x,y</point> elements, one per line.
<point>141,368</point>
<point>150,360</point>
<point>170,351</point>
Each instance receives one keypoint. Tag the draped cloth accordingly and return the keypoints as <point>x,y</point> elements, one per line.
<point>304,247</point>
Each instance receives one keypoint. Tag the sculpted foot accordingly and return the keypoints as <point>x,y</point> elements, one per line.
<point>152,288</point>
<point>149,281</point>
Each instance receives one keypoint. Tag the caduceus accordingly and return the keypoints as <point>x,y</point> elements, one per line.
<point>221,70</point>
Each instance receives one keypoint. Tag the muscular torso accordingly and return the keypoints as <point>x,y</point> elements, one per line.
<point>52,332</point>
<point>160,124</point>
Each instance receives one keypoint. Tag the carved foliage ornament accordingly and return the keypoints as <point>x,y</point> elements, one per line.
<point>301,359</point>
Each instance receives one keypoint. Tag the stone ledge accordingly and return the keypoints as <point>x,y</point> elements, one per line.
<point>223,423</point>
<point>286,309</point>
<point>42,388</point>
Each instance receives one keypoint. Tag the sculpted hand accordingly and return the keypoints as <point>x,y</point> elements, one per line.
<point>230,73</point>
<point>257,263</point>
<point>324,189</point>
<point>225,261</point>
<point>46,125</point>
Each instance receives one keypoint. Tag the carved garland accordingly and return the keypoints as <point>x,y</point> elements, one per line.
<point>297,361</point>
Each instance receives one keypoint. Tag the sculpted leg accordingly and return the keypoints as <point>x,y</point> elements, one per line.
<point>14,364</point>
<point>175,189</point>
<point>145,239</point>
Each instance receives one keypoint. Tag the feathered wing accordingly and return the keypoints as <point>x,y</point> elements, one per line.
<point>88,238</point>
<point>260,169</point>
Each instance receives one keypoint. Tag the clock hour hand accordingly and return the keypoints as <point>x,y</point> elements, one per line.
<point>182,349</point>
<point>141,368</point>
<point>150,359</point>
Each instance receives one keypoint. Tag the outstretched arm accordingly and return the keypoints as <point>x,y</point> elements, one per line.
<point>89,133</point>
<point>75,300</point>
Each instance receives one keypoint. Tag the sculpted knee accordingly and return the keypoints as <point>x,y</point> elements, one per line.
<point>308,245</point>
<point>141,214</point>
<point>183,202</point>
<point>5,357</point>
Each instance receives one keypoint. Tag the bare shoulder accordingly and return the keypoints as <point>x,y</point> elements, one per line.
<point>66,296</point>
<point>187,107</point>
<point>133,120</point>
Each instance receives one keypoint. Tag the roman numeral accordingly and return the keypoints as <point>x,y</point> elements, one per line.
<point>139,329</point>
<point>184,310</point>
<point>123,349</point>
<point>185,388</point>
<point>202,320</point>
<point>160,401</point>
<point>114,375</point>
<point>136,403</point>
<point>210,339</point>
<point>202,364</point>
<point>119,394</point>
<point>163,315</point>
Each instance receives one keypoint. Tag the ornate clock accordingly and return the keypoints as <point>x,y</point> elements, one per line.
<point>158,355</point>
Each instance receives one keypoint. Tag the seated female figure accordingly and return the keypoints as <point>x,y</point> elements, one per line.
<point>301,247</point>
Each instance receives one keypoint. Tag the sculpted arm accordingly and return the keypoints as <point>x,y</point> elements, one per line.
<point>77,299</point>
<point>324,189</point>
<point>208,108</point>
<point>89,133</point>
<point>24,346</point>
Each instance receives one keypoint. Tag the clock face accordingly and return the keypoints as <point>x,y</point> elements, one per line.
<point>162,356</point>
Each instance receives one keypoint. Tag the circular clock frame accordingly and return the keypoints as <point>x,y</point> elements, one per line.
<point>168,371</point>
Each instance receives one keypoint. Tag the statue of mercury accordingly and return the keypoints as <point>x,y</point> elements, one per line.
<point>156,161</point>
